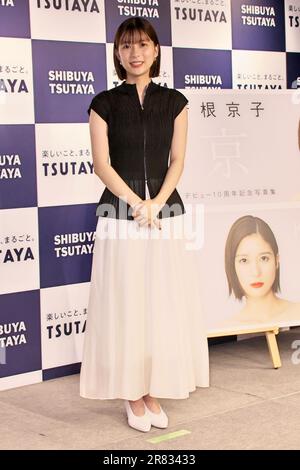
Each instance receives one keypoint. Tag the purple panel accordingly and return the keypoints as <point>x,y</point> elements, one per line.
<point>62,371</point>
<point>56,269</point>
<point>293,69</point>
<point>60,95</point>
<point>206,64</point>
<point>14,19</point>
<point>20,332</point>
<point>17,166</point>
<point>255,27</point>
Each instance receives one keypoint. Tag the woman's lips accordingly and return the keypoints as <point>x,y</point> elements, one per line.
<point>256,285</point>
<point>136,64</point>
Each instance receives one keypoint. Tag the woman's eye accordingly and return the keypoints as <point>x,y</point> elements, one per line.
<point>243,260</point>
<point>265,258</point>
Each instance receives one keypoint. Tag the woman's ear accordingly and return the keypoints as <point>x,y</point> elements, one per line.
<point>277,261</point>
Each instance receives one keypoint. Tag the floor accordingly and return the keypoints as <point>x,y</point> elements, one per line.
<point>249,405</point>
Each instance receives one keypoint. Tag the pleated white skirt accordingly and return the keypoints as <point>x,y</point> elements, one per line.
<point>145,332</point>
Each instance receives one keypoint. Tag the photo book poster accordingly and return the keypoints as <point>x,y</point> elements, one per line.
<point>254,254</point>
<point>242,168</point>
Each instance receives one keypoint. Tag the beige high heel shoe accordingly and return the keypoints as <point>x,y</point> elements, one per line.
<point>141,423</point>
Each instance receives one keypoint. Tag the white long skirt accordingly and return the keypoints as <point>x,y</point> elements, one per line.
<point>145,332</point>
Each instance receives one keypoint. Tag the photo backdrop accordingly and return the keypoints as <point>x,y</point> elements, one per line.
<point>55,56</point>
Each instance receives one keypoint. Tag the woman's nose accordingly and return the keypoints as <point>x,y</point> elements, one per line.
<point>134,50</point>
<point>255,268</point>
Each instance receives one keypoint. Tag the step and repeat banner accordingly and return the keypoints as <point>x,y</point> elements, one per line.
<point>55,56</point>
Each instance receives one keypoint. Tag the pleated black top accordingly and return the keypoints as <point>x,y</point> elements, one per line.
<point>139,143</point>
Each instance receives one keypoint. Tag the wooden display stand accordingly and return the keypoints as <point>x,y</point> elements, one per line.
<point>270,334</point>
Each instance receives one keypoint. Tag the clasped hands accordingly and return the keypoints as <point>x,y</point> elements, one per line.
<point>145,213</point>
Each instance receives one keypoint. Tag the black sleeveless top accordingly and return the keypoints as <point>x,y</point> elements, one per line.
<point>139,143</point>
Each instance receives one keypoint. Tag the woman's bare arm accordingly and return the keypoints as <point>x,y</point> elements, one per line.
<point>177,155</point>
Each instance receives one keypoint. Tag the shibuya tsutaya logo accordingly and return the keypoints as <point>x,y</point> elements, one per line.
<point>85,6</point>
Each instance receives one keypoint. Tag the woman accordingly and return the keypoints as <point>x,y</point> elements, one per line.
<point>144,338</point>
<point>253,274</point>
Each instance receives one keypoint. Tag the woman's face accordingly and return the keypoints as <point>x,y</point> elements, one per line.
<point>137,57</point>
<point>255,266</point>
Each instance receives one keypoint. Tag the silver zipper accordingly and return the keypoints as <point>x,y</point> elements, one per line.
<point>144,128</point>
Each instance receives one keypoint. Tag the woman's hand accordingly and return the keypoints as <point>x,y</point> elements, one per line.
<point>145,213</point>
